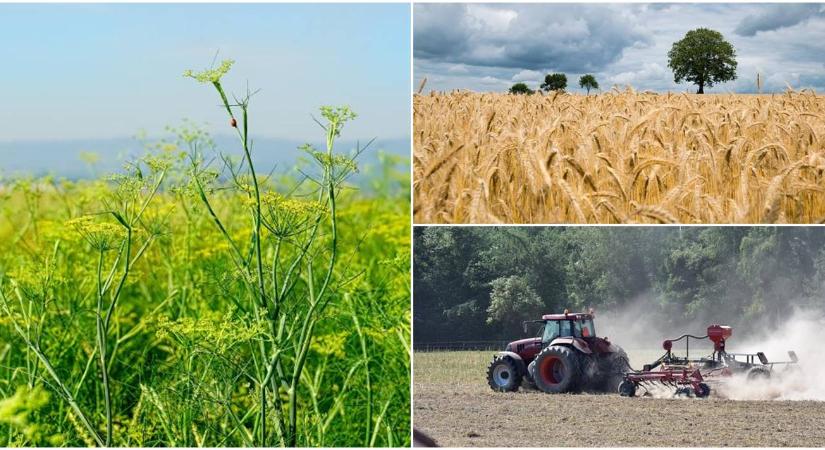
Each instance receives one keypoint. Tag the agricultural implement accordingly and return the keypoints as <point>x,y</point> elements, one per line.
<point>567,356</point>
<point>693,376</point>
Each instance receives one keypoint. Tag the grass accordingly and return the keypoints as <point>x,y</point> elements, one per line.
<point>619,157</point>
<point>191,301</point>
<point>470,367</point>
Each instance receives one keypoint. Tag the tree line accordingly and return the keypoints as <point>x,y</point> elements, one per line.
<point>480,283</point>
<point>557,82</point>
<point>703,57</point>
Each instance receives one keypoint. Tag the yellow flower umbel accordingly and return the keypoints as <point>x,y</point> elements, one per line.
<point>211,75</point>
<point>217,332</point>
<point>285,216</point>
<point>102,236</point>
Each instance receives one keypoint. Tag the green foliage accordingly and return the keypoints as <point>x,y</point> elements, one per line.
<point>703,57</point>
<point>554,82</point>
<point>19,413</point>
<point>520,88</point>
<point>512,298</point>
<point>479,283</point>
<point>588,82</point>
<point>187,301</point>
<point>211,75</point>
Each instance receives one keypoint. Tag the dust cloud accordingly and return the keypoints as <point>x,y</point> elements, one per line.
<point>641,327</point>
<point>801,333</point>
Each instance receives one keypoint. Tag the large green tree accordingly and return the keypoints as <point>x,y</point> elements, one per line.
<point>554,82</point>
<point>702,57</point>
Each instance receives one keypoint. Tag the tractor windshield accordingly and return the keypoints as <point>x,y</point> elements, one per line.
<point>551,331</point>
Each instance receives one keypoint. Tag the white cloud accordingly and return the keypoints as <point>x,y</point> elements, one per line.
<point>492,80</point>
<point>527,75</point>
<point>489,18</point>
<point>619,43</point>
<point>649,72</point>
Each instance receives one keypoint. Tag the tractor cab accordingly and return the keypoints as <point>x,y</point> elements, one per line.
<point>567,329</point>
<point>577,325</point>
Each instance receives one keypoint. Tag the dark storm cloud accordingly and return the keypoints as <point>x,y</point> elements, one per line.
<point>533,37</point>
<point>488,47</point>
<point>774,17</point>
<point>435,31</point>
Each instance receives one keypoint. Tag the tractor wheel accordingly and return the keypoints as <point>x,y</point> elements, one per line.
<point>503,375</point>
<point>557,370</point>
<point>627,388</point>
<point>531,372</point>
<point>529,381</point>
<point>759,374</point>
<point>702,391</point>
<point>590,373</point>
<point>614,366</point>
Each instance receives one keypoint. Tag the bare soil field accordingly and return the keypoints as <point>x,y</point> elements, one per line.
<point>453,404</point>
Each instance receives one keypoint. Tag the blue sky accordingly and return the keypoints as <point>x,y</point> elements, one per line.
<point>489,47</point>
<point>95,71</point>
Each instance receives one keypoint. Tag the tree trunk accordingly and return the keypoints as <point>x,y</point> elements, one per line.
<point>701,88</point>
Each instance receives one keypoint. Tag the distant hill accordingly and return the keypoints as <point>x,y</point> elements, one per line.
<point>62,158</point>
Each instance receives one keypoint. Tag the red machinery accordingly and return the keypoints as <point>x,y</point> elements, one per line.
<point>566,356</point>
<point>689,375</point>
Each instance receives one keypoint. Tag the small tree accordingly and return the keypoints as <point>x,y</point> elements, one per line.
<point>554,82</point>
<point>702,57</point>
<point>588,82</point>
<point>520,88</point>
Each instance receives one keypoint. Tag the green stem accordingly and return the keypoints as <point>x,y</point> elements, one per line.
<point>101,345</point>
<point>316,300</point>
<point>62,389</point>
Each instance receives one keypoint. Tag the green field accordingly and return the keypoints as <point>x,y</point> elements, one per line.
<point>470,366</point>
<point>188,301</point>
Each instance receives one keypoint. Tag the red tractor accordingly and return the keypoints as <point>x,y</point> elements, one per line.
<point>566,356</point>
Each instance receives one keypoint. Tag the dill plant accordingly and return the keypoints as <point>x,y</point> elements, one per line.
<point>282,355</point>
<point>129,200</point>
<point>190,300</point>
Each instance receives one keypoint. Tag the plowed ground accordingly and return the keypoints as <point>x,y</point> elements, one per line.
<point>453,404</point>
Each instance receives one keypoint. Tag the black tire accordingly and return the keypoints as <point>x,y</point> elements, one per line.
<point>557,370</point>
<point>591,376</point>
<point>759,374</point>
<point>531,371</point>
<point>614,366</point>
<point>503,375</point>
<point>627,388</point>
<point>702,391</point>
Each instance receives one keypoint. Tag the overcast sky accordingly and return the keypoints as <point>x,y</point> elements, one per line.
<point>488,47</point>
<point>98,71</point>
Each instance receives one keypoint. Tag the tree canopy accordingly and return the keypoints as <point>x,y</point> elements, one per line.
<point>554,82</point>
<point>520,88</point>
<point>702,57</point>
<point>588,82</point>
<point>479,283</point>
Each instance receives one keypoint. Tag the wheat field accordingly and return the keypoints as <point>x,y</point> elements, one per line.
<point>619,157</point>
